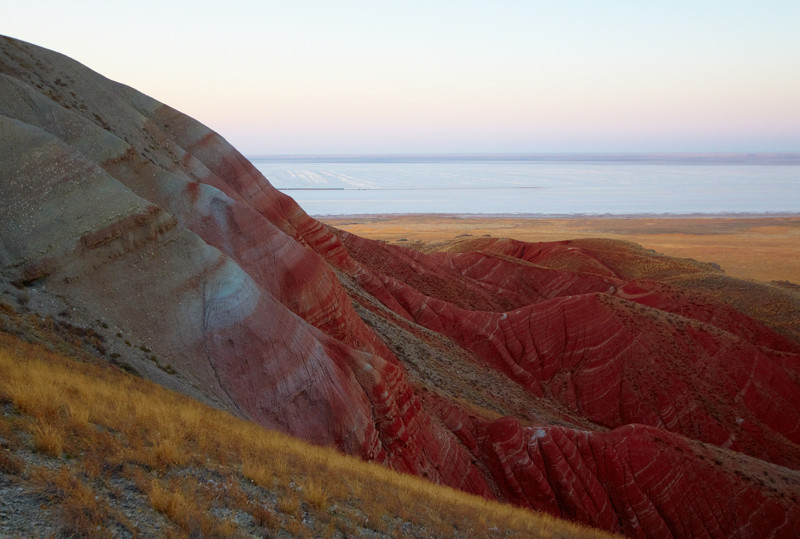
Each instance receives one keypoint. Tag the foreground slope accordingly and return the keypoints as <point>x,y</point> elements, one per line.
<point>83,458</point>
<point>588,379</point>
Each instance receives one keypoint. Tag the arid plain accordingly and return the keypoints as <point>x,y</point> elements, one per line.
<point>757,247</point>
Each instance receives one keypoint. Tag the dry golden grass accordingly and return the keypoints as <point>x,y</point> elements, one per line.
<point>315,495</point>
<point>80,510</point>
<point>289,504</point>
<point>48,438</point>
<point>180,501</point>
<point>170,502</point>
<point>113,424</point>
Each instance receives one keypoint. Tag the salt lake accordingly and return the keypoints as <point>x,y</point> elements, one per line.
<point>539,184</point>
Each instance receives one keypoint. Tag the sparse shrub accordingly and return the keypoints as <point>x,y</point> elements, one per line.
<point>127,367</point>
<point>168,369</point>
<point>97,344</point>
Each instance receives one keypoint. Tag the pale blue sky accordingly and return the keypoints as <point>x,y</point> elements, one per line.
<point>392,77</point>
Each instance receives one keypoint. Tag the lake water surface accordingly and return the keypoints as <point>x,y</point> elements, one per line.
<point>539,184</point>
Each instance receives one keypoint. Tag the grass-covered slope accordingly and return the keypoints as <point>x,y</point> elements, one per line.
<point>89,449</point>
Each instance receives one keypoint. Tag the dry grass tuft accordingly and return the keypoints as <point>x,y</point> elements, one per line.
<point>48,438</point>
<point>167,453</point>
<point>183,502</point>
<point>256,472</point>
<point>172,503</point>
<point>289,504</point>
<point>265,517</point>
<point>81,512</point>
<point>315,495</point>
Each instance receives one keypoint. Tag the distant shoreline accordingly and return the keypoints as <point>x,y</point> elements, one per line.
<point>710,158</point>
<point>713,185</point>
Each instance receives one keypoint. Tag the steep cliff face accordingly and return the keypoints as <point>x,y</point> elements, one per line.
<point>589,379</point>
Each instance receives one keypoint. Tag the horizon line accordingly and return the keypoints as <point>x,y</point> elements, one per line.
<point>729,157</point>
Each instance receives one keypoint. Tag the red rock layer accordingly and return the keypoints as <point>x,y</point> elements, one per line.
<point>616,361</point>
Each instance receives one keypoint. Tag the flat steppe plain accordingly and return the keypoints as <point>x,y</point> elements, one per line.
<point>763,248</point>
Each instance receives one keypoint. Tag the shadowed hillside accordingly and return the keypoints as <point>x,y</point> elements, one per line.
<point>592,380</point>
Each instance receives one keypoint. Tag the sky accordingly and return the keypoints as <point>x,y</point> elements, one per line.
<point>302,77</point>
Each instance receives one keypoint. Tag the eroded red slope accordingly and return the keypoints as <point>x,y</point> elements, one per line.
<point>708,372</point>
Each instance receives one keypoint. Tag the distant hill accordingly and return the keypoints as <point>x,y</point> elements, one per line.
<point>592,380</point>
